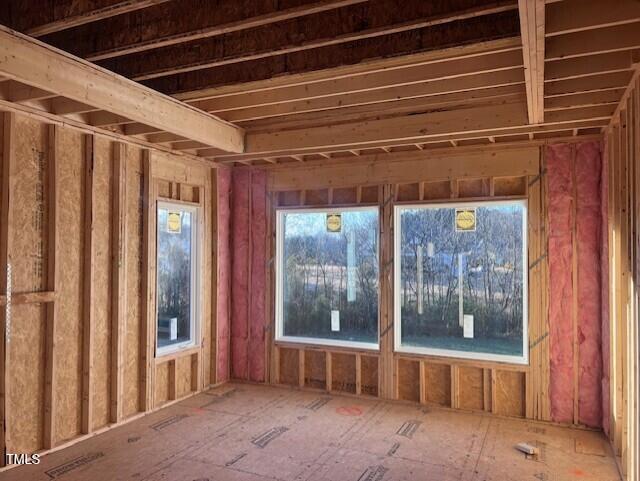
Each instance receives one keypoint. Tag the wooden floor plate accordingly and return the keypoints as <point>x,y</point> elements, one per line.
<point>248,432</point>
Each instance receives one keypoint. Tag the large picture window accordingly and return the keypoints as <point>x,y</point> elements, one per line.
<point>327,276</point>
<point>461,280</point>
<point>177,253</point>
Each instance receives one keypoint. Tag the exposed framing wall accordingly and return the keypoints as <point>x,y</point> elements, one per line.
<point>77,289</point>
<point>499,388</point>
<point>623,154</point>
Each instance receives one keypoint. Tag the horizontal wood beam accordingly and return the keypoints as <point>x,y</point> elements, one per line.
<point>474,30</point>
<point>324,29</point>
<point>589,65</point>
<point>399,167</point>
<point>589,99</point>
<point>403,128</point>
<point>422,73</point>
<point>502,134</point>
<point>168,25</point>
<point>571,16</point>
<point>365,67</point>
<point>387,107</point>
<point>67,14</point>
<point>39,65</point>
<point>584,43</point>
<point>593,83</point>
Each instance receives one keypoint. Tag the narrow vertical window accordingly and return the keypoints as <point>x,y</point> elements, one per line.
<point>177,275</point>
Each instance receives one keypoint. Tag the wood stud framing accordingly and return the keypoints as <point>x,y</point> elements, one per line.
<point>505,389</point>
<point>623,153</point>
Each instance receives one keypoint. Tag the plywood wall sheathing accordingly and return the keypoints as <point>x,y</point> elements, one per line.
<point>77,223</point>
<point>408,383</point>
<point>315,369</point>
<point>343,372</point>
<point>289,366</point>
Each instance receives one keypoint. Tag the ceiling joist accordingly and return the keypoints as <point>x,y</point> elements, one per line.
<point>68,14</point>
<point>311,32</point>
<point>38,65</point>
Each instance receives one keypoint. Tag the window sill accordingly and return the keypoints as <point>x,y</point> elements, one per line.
<point>306,342</point>
<point>172,354</point>
<point>453,356</point>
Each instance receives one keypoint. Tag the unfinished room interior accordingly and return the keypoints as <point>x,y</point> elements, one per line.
<point>319,240</point>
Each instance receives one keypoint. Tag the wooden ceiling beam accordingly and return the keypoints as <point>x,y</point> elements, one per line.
<point>572,16</point>
<point>586,43</point>
<point>176,22</point>
<point>480,29</point>
<point>420,74</point>
<point>390,107</point>
<point>577,67</point>
<point>405,128</point>
<point>499,135</point>
<point>590,99</point>
<point>324,29</point>
<point>532,26</point>
<point>592,83</point>
<point>36,64</point>
<point>367,67</point>
<point>67,14</point>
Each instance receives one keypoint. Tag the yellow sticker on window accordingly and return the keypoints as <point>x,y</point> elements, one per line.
<point>174,222</point>
<point>465,220</point>
<point>334,222</point>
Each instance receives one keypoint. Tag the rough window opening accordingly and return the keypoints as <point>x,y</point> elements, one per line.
<point>177,313</point>
<point>480,246</point>
<point>327,276</point>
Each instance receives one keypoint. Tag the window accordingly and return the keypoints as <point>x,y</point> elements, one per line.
<point>327,276</point>
<point>461,280</point>
<point>177,276</point>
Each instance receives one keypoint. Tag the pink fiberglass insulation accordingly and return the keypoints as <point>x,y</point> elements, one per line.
<point>240,273</point>
<point>588,227</point>
<point>559,182</point>
<point>257,314</point>
<point>223,296</point>
<point>604,269</point>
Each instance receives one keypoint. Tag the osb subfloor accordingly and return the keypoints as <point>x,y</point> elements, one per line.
<point>247,432</point>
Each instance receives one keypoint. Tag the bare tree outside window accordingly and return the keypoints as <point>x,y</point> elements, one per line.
<point>461,280</point>
<point>328,275</point>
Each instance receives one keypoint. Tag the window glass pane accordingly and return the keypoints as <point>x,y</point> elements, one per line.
<point>174,276</point>
<point>330,275</point>
<point>462,278</point>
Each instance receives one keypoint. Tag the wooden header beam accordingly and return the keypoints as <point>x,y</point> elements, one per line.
<point>39,65</point>
<point>532,30</point>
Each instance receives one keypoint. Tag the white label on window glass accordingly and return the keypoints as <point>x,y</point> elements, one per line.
<point>335,321</point>
<point>468,326</point>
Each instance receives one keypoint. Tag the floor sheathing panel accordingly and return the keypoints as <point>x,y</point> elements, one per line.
<point>248,432</point>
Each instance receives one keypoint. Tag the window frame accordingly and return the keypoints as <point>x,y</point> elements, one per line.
<point>279,275</point>
<point>195,211</point>
<point>397,308</point>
